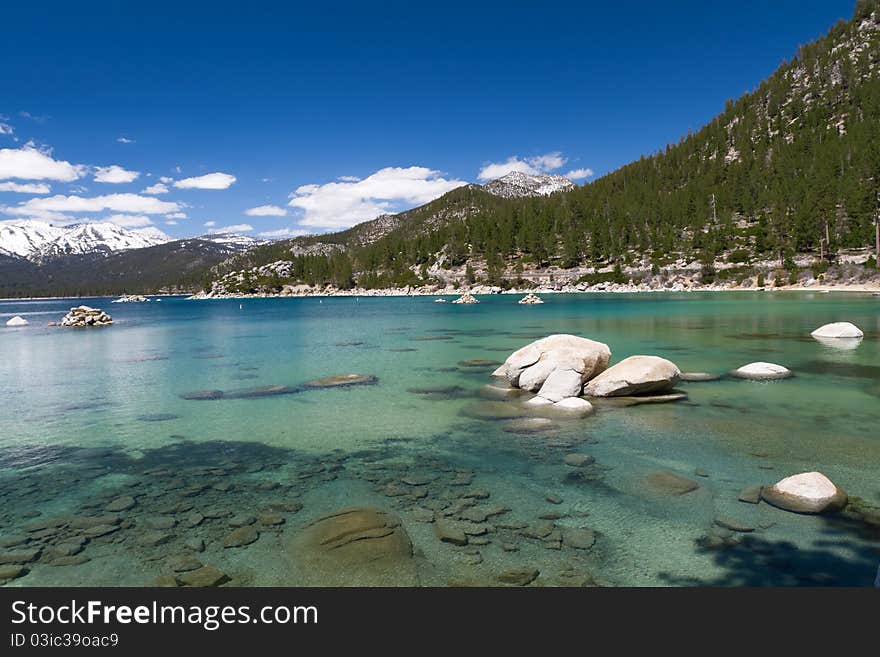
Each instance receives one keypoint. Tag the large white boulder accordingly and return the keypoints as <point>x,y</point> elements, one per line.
<point>807,492</point>
<point>838,330</point>
<point>557,366</point>
<point>761,372</point>
<point>17,321</point>
<point>634,376</point>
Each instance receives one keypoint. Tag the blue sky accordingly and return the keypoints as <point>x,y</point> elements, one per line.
<point>348,110</point>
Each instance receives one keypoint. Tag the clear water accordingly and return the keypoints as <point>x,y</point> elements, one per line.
<point>89,415</point>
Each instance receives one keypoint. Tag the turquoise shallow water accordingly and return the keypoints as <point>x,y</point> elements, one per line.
<point>90,415</point>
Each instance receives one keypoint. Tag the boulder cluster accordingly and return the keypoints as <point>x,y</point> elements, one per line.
<point>466,298</point>
<point>560,368</point>
<point>530,299</point>
<point>83,316</point>
<point>131,298</point>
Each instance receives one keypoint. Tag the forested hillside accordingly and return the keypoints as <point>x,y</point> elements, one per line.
<point>789,168</point>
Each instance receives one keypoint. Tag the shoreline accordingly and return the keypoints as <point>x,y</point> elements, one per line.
<point>484,291</point>
<point>479,291</point>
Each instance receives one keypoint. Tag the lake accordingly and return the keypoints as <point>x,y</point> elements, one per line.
<point>120,463</point>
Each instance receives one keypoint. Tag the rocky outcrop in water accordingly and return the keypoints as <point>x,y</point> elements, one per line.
<point>466,298</point>
<point>807,492</point>
<point>530,299</point>
<point>84,316</point>
<point>131,298</point>
<point>18,320</point>
<point>635,375</point>
<point>555,367</point>
<point>762,372</point>
<point>838,330</point>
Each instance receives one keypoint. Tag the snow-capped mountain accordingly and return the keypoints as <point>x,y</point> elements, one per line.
<point>233,240</point>
<point>39,240</point>
<point>516,184</point>
<point>23,238</point>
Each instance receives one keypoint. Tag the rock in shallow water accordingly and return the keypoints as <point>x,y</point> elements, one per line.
<point>807,492</point>
<point>529,425</point>
<point>761,372</point>
<point>671,483</point>
<point>204,576</point>
<point>343,380</point>
<point>555,367</point>
<point>355,547</point>
<point>635,375</point>
<point>519,576</point>
<point>241,537</point>
<point>693,377</point>
<point>838,330</point>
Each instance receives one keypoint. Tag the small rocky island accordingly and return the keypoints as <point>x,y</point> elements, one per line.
<point>131,298</point>
<point>85,316</point>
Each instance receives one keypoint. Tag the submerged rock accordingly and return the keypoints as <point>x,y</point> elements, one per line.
<point>519,576</point>
<point>555,367</point>
<point>260,391</point>
<point>204,576</point>
<point>634,376</point>
<point>762,372</point>
<point>356,547</point>
<point>529,425</point>
<point>693,377</point>
<point>11,572</point>
<point>342,380</point>
<point>807,492</point>
<point>203,395</point>
<point>241,537</point>
<point>579,538</point>
<point>671,483</point>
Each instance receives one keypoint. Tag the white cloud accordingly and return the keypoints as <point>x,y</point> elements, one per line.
<point>530,165</point>
<point>235,228</point>
<point>5,129</point>
<point>30,163</point>
<point>115,175</point>
<point>210,224</point>
<point>128,220</point>
<point>166,179</point>
<point>348,178</point>
<point>266,211</point>
<point>170,223</point>
<point>176,215</point>
<point>158,188</point>
<point>39,118</point>
<point>343,204</point>
<point>49,207</point>
<point>579,174</point>
<point>25,188</point>
<point>284,232</point>
<point>124,140</point>
<point>208,181</point>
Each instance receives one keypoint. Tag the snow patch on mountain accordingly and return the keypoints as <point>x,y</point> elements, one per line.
<point>517,184</point>
<point>236,241</point>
